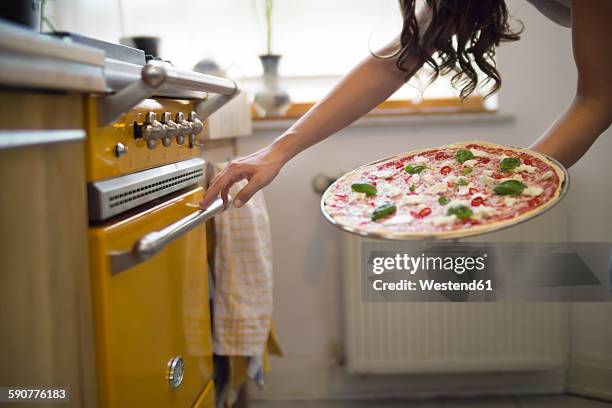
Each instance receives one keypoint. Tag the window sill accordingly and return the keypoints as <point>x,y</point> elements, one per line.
<point>412,119</point>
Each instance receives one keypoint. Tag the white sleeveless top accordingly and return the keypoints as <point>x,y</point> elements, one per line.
<point>559,11</point>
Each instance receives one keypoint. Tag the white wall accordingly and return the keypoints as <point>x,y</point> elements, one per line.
<point>539,79</point>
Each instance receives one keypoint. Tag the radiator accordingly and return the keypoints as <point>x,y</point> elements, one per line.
<point>405,337</point>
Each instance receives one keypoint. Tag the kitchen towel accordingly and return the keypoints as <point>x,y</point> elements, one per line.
<point>242,300</point>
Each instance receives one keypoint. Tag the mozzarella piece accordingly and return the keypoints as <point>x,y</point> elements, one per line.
<point>428,178</point>
<point>399,219</point>
<point>415,178</point>
<point>547,176</point>
<point>482,211</point>
<point>487,172</point>
<point>509,201</point>
<point>419,159</point>
<point>355,197</point>
<point>444,220</point>
<point>384,173</point>
<point>525,168</point>
<point>390,190</point>
<point>533,191</point>
<point>414,199</point>
<point>452,178</point>
<point>470,163</point>
<point>479,153</point>
<point>438,188</point>
<point>456,203</point>
<point>488,181</point>
<point>515,177</point>
<point>463,191</point>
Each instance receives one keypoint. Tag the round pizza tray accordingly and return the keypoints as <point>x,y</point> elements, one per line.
<point>460,234</point>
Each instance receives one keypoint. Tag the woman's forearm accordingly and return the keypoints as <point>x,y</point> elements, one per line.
<point>361,90</point>
<point>576,130</point>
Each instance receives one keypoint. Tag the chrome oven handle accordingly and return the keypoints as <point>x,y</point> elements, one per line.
<point>152,243</point>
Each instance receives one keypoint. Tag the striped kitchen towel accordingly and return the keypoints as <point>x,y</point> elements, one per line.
<point>243,278</point>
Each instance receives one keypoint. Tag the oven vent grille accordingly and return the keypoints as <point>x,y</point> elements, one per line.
<point>111,197</point>
<point>152,188</point>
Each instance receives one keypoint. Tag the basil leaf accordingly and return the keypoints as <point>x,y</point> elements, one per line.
<point>509,163</point>
<point>462,155</point>
<point>462,182</point>
<point>443,200</point>
<point>460,211</point>
<point>509,187</point>
<point>467,171</point>
<point>414,169</point>
<point>413,188</point>
<point>383,211</point>
<point>366,188</point>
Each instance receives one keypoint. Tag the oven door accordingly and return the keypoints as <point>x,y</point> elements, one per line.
<point>152,318</point>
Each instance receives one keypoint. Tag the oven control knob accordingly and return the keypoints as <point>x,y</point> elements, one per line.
<point>171,129</point>
<point>197,124</point>
<point>120,149</point>
<point>184,128</point>
<point>152,130</point>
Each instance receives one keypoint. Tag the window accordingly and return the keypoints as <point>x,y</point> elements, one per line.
<point>319,39</point>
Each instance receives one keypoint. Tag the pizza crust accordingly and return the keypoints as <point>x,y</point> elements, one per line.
<point>384,233</point>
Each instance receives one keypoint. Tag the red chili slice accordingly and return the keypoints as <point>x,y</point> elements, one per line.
<point>533,202</point>
<point>342,197</point>
<point>498,176</point>
<point>528,162</point>
<point>414,214</point>
<point>425,212</point>
<point>484,160</point>
<point>476,201</point>
<point>440,156</point>
<point>450,184</point>
<point>472,190</point>
<point>445,170</point>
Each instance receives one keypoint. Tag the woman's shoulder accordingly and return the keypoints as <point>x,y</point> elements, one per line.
<point>559,11</point>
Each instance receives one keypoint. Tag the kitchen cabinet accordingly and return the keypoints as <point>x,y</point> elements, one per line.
<point>45,323</point>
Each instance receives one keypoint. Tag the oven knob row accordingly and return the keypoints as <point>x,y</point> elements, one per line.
<point>165,130</point>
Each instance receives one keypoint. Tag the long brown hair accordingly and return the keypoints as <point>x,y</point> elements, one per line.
<point>460,35</point>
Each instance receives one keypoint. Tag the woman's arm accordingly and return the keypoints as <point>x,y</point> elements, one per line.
<point>365,87</point>
<point>590,113</point>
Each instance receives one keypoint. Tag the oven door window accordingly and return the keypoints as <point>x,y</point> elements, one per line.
<point>152,320</point>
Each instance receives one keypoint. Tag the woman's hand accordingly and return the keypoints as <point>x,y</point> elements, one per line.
<point>259,169</point>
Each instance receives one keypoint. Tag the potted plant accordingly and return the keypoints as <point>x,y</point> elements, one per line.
<point>271,99</point>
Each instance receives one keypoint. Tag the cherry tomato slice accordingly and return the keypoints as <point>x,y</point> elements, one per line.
<point>484,160</point>
<point>440,156</point>
<point>528,162</point>
<point>476,201</point>
<point>533,202</point>
<point>425,212</point>
<point>472,190</point>
<point>445,170</point>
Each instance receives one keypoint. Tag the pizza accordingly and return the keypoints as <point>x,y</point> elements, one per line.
<point>450,191</point>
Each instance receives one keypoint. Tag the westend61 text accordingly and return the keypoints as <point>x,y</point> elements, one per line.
<point>431,285</point>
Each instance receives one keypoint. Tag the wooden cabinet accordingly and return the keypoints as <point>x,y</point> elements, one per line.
<point>45,323</point>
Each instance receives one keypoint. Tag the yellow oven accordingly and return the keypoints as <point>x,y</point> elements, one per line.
<point>151,306</point>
